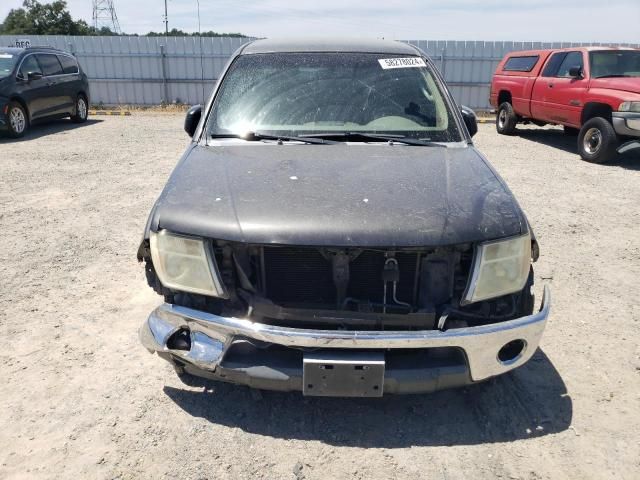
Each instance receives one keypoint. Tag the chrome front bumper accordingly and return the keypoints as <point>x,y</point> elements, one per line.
<point>626,123</point>
<point>211,336</point>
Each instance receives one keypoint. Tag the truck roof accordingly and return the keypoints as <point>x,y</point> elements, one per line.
<point>291,45</point>
<point>19,50</point>
<point>12,50</point>
<point>592,48</point>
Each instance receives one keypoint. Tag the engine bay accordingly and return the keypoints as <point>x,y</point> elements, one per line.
<point>348,288</point>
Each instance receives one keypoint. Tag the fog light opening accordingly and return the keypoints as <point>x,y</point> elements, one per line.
<point>181,340</point>
<point>511,351</point>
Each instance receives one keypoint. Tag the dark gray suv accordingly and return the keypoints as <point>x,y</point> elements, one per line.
<point>40,83</point>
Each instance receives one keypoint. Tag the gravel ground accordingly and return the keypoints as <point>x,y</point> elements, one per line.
<point>82,399</point>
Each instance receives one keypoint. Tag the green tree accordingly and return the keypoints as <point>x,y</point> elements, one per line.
<point>53,18</point>
<point>43,19</point>
<point>17,21</point>
<point>174,32</point>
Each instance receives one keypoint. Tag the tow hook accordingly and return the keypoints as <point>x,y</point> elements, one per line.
<point>628,146</point>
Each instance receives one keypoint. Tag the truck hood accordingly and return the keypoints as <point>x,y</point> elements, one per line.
<point>337,195</point>
<point>623,84</point>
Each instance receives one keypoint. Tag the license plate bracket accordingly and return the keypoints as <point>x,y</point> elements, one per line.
<point>331,373</point>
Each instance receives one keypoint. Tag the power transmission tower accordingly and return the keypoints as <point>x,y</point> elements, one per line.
<point>104,15</point>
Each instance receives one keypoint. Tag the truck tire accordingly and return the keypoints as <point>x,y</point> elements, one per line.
<point>17,120</point>
<point>597,141</point>
<point>506,120</point>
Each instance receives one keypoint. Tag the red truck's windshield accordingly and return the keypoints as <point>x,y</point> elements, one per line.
<point>615,63</point>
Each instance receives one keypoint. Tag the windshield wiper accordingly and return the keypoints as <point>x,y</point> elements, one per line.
<point>361,136</point>
<point>613,76</point>
<point>257,136</point>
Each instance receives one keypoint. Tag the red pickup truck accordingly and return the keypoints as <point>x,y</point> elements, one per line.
<point>593,92</point>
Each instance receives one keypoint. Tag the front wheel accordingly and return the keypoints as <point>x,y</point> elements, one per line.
<point>597,141</point>
<point>18,120</point>
<point>81,110</point>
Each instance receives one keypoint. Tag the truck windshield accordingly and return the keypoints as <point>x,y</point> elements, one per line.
<point>7,63</point>
<point>615,63</point>
<point>301,94</point>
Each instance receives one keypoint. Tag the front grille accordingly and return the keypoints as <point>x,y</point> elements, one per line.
<point>296,276</point>
<point>366,277</point>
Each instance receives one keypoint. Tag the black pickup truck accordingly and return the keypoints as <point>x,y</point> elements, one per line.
<point>332,229</point>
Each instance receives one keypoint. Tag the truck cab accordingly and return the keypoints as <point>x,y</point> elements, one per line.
<point>594,92</point>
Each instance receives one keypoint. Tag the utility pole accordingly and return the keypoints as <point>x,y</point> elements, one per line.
<point>166,19</point>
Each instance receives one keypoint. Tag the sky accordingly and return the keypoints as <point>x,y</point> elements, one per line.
<point>531,20</point>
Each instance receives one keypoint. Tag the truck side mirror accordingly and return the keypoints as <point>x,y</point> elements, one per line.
<point>469,117</point>
<point>575,72</point>
<point>192,119</point>
<point>34,75</point>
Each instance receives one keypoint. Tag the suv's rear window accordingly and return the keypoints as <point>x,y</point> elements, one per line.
<point>50,64</point>
<point>521,64</point>
<point>69,64</point>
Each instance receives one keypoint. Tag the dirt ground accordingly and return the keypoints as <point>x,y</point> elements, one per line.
<point>82,399</point>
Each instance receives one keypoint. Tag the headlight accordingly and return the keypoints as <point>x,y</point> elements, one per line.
<point>499,268</point>
<point>629,107</point>
<point>184,263</point>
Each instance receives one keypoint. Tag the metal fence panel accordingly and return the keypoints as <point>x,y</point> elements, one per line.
<point>153,70</point>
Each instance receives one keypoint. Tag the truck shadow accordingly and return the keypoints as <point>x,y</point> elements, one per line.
<point>556,138</point>
<point>552,137</point>
<point>51,127</point>
<point>529,402</point>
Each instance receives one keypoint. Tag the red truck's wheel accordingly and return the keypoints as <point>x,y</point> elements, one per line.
<point>597,141</point>
<point>507,119</point>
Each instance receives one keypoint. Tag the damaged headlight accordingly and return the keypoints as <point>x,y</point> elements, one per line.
<point>500,268</point>
<point>185,263</point>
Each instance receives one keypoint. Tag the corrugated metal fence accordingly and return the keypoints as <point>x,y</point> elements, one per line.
<point>152,70</point>
<point>145,70</point>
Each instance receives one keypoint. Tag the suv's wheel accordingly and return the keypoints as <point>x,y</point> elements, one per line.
<point>507,119</point>
<point>18,120</point>
<point>81,110</point>
<point>597,141</point>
